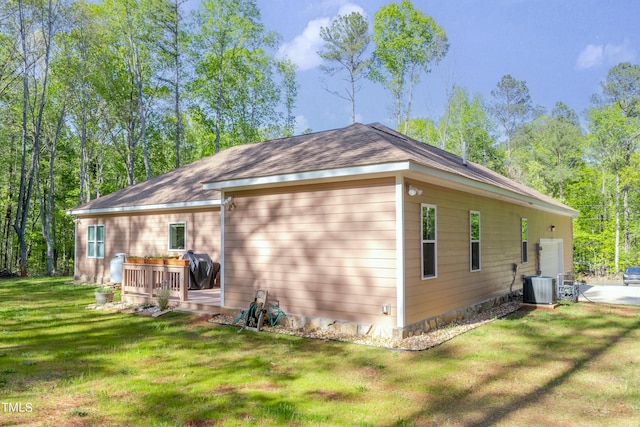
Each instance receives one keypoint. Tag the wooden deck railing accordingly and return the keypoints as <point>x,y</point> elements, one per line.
<point>146,280</point>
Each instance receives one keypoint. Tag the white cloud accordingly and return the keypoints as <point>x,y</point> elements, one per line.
<point>591,56</point>
<point>303,48</point>
<point>350,8</point>
<point>302,124</point>
<point>606,54</point>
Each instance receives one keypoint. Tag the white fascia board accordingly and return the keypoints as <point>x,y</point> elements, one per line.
<point>447,179</point>
<point>145,208</point>
<point>466,184</point>
<point>300,177</point>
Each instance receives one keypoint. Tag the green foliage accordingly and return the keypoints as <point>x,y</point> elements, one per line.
<point>236,84</point>
<point>511,106</point>
<point>549,150</point>
<point>407,44</point>
<point>345,43</point>
<point>465,126</point>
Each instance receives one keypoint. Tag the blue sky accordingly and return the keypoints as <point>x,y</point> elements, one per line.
<point>561,48</point>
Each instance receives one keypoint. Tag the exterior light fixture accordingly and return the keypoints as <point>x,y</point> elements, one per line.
<point>229,202</point>
<point>413,191</point>
<point>385,308</point>
<point>552,228</point>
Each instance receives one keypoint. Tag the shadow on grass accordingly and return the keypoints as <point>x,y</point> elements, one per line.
<point>154,370</point>
<point>121,369</point>
<point>579,345</point>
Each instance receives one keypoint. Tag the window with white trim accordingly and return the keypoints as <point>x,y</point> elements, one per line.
<point>429,241</point>
<point>474,240</point>
<point>95,241</point>
<point>177,236</point>
<point>524,233</point>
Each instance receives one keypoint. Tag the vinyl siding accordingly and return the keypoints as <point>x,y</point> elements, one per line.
<point>325,250</point>
<point>145,234</point>
<point>455,286</point>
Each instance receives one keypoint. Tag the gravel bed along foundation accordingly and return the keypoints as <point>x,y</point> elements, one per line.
<point>418,342</point>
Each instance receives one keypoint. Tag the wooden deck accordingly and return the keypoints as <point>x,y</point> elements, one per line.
<point>142,284</point>
<point>202,301</point>
<point>206,301</point>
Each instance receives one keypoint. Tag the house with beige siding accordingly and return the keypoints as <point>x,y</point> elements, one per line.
<point>360,225</point>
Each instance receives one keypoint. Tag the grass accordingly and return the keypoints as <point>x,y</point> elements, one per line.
<point>64,365</point>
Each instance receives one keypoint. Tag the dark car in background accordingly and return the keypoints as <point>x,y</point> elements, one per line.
<point>631,275</point>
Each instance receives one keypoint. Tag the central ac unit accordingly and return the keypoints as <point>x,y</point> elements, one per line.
<point>539,290</point>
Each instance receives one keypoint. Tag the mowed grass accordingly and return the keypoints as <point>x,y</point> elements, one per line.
<point>64,365</point>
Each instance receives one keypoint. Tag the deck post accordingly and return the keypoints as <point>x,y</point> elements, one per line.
<point>184,283</point>
<point>148,280</point>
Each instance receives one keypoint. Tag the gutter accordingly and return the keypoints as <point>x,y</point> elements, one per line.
<point>412,169</point>
<point>144,208</point>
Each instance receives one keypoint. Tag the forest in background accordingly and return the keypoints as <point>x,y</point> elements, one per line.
<point>97,96</point>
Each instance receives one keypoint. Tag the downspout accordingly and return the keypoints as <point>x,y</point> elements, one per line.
<point>75,247</point>
<point>222,209</point>
<point>400,253</point>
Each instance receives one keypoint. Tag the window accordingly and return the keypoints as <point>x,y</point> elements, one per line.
<point>95,241</point>
<point>177,236</point>
<point>429,243</point>
<point>474,237</point>
<point>525,239</point>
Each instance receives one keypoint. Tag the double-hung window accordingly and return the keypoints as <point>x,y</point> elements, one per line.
<point>95,241</point>
<point>177,236</point>
<point>474,240</point>
<point>429,241</point>
<point>524,233</point>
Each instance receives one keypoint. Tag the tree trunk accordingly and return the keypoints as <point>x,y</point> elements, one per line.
<point>6,226</point>
<point>626,214</point>
<point>176,79</point>
<point>219,112</point>
<point>353,98</point>
<point>616,261</point>
<point>82,198</point>
<point>407,114</point>
<point>137,73</point>
<point>47,206</point>
<point>26,179</point>
<point>24,192</point>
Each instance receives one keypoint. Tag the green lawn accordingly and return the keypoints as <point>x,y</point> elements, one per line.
<point>64,365</point>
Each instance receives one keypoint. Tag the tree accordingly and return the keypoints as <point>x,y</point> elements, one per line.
<point>463,129</point>
<point>171,46</point>
<point>609,140</point>
<point>622,88</point>
<point>554,150</point>
<point>34,19</point>
<point>234,83</point>
<point>345,42</point>
<point>287,70</point>
<point>408,43</point>
<point>511,106</point>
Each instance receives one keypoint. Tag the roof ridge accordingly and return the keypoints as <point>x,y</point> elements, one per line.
<point>385,129</point>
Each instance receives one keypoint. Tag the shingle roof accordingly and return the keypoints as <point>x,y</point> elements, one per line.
<point>355,145</point>
<point>181,185</point>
